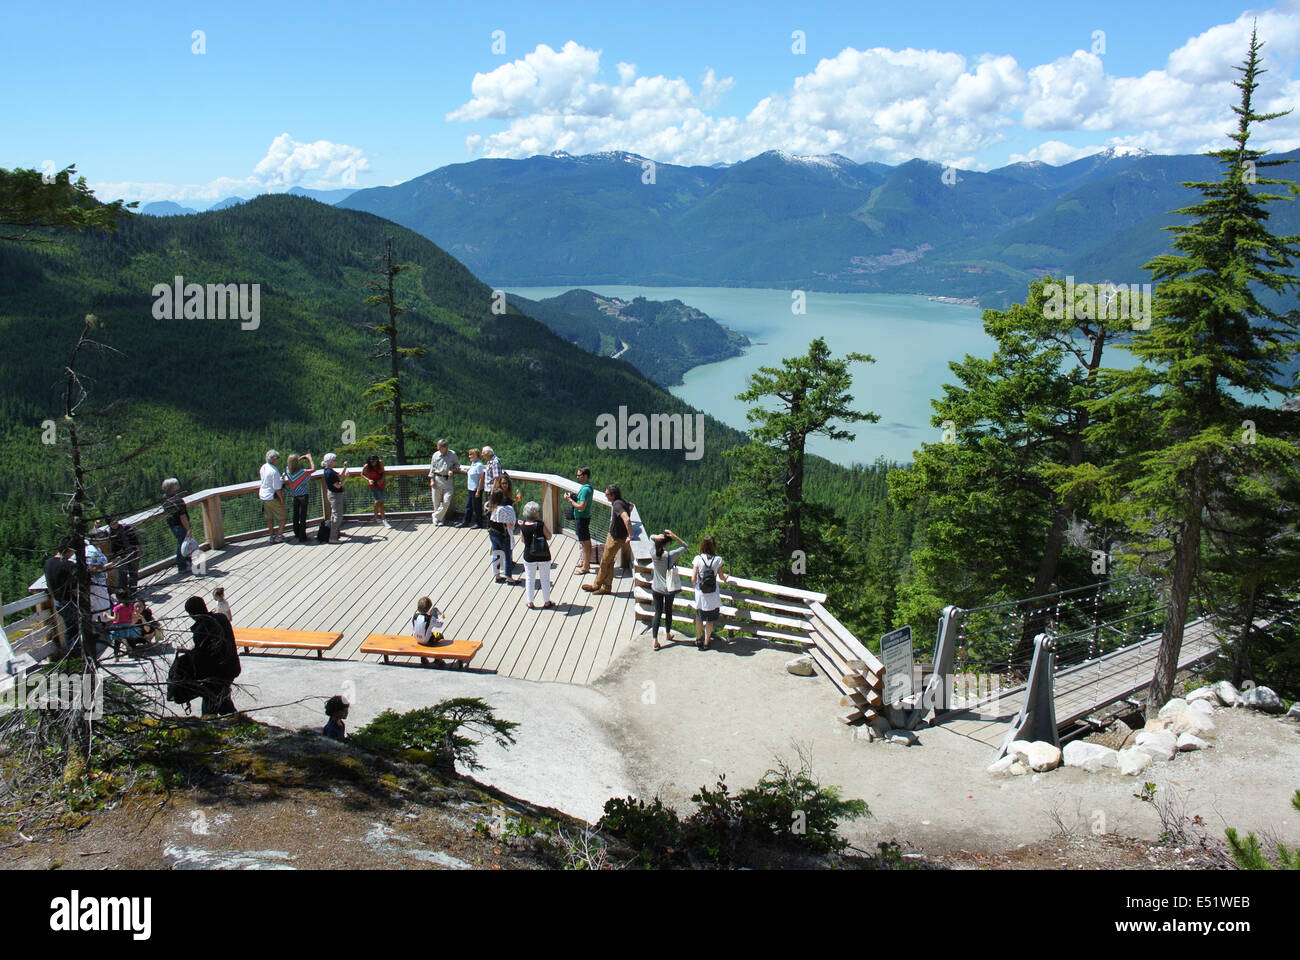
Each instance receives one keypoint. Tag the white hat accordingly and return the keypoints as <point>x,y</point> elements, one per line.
<point>328,458</point>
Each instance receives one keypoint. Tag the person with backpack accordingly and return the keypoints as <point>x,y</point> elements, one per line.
<point>537,554</point>
<point>215,657</point>
<point>501,531</point>
<point>706,573</point>
<point>617,542</point>
<point>665,584</point>
<point>61,582</point>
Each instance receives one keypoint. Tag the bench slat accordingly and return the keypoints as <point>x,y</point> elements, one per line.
<point>403,645</point>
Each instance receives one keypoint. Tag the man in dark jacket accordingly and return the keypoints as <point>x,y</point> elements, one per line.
<point>124,547</point>
<point>216,658</point>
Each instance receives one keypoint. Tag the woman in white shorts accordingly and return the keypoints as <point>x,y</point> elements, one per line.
<point>706,578</point>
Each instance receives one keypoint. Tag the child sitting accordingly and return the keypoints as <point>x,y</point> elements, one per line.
<point>223,608</point>
<point>336,709</point>
<point>425,625</point>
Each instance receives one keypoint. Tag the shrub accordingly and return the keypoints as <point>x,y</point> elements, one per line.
<point>1249,856</point>
<point>436,730</point>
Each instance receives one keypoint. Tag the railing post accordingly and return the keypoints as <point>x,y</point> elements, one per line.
<point>213,525</point>
<point>1037,717</point>
<point>938,692</point>
<point>551,514</point>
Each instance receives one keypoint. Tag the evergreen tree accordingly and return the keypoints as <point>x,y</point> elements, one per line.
<point>30,200</point>
<point>1207,365</point>
<point>812,395</point>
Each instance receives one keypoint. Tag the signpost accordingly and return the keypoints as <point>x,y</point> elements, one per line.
<point>896,655</point>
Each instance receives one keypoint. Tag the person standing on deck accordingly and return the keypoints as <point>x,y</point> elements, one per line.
<point>271,493</point>
<point>474,482</point>
<point>334,494</point>
<point>298,480</point>
<point>537,554</point>
<point>101,605</point>
<point>177,516</point>
<point>373,471</point>
<point>491,470</point>
<point>124,545</point>
<point>617,542</point>
<point>666,583</point>
<point>582,517</point>
<point>60,580</point>
<point>443,467</point>
<point>501,530</point>
<point>706,574</point>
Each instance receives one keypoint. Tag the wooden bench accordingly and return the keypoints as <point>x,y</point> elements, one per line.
<point>403,645</point>
<point>252,639</point>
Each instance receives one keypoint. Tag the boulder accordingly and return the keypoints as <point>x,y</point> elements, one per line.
<point>1263,699</point>
<point>1196,724</point>
<point>905,737</point>
<point>1294,712</point>
<point>1227,693</point>
<point>1132,762</point>
<point>801,667</point>
<point>1019,768</point>
<point>1002,764</point>
<point>1172,708</point>
<point>1203,693</point>
<point>1090,757</point>
<point>1156,724</point>
<point>1158,745</point>
<point>1043,756</point>
<point>1018,748</point>
<point>1202,707</point>
<point>1115,736</point>
<point>1189,741</point>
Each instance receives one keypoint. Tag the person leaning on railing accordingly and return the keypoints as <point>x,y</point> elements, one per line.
<point>442,489</point>
<point>666,583</point>
<point>177,516</point>
<point>474,484</point>
<point>617,541</point>
<point>334,494</point>
<point>298,479</point>
<point>581,505</point>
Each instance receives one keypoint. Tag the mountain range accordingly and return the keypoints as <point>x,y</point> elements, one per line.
<point>169,208</point>
<point>820,223</point>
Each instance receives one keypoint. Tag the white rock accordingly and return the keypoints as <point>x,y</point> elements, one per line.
<point>1193,723</point>
<point>1132,761</point>
<point>1189,741</point>
<point>1262,698</point>
<point>1156,724</point>
<point>1203,693</point>
<point>906,737</point>
<point>1090,757</point>
<point>1020,768</point>
<point>801,667</point>
<point>1002,764</point>
<point>1294,712</point>
<point>1172,708</point>
<point>1160,745</point>
<point>1043,756</point>
<point>1018,748</point>
<point>1202,707</point>
<point>1227,693</point>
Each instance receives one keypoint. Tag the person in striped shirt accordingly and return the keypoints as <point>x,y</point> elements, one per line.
<point>298,481</point>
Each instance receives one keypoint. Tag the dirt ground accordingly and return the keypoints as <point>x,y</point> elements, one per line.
<point>684,716</point>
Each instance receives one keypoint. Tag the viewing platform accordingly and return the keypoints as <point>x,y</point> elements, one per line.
<point>370,582</point>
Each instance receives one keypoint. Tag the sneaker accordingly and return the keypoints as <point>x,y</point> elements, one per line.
<point>387,524</point>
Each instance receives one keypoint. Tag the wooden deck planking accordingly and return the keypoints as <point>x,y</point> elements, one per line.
<point>362,588</point>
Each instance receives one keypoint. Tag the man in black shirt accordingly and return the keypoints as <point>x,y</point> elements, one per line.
<point>124,546</point>
<point>616,541</point>
<point>60,581</point>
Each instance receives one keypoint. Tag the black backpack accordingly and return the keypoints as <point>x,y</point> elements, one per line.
<point>708,577</point>
<point>182,679</point>
<point>323,534</point>
<point>216,658</point>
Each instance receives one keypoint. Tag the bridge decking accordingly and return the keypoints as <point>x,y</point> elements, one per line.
<point>370,582</point>
<point>1084,688</point>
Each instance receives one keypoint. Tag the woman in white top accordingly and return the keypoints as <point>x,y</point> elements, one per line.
<point>425,626</point>
<point>501,531</point>
<point>706,576</point>
<point>666,583</point>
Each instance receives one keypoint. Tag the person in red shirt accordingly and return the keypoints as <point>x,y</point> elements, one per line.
<point>373,471</point>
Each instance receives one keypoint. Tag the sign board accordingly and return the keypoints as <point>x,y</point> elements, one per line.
<point>896,655</point>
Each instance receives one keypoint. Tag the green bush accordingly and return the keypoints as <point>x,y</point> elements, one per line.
<point>436,730</point>
<point>1249,856</point>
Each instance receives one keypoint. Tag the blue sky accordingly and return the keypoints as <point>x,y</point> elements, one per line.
<point>335,94</point>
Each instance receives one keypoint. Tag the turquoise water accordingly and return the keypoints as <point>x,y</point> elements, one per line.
<point>912,340</point>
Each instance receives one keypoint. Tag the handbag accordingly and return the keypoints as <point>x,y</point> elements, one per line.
<point>188,546</point>
<point>569,512</point>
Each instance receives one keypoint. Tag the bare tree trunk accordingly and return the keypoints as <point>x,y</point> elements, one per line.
<point>1186,558</point>
<point>1241,663</point>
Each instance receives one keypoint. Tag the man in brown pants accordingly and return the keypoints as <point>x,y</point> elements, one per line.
<point>616,541</point>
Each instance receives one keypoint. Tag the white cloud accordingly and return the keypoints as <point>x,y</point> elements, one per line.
<point>890,105</point>
<point>288,163</point>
